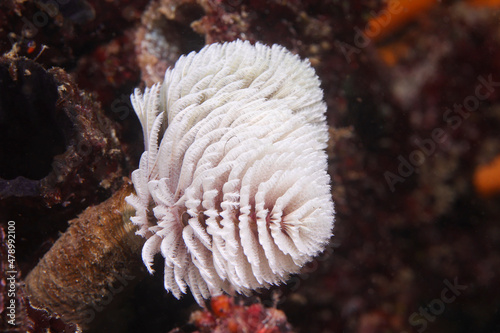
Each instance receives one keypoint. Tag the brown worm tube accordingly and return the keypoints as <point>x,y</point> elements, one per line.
<point>95,259</point>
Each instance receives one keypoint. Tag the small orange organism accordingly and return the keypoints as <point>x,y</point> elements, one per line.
<point>221,305</point>
<point>404,12</point>
<point>487,178</point>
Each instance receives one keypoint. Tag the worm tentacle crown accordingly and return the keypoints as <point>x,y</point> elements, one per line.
<point>232,187</point>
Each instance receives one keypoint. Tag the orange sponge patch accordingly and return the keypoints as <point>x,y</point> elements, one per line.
<point>487,178</point>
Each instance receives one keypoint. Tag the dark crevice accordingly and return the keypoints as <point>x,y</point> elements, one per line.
<point>30,123</point>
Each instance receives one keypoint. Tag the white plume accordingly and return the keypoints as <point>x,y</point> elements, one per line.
<point>232,188</point>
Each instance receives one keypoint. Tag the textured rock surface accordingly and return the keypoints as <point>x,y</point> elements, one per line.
<point>59,151</point>
<point>225,315</point>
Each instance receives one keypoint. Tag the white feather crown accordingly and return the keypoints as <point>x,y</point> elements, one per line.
<point>232,187</point>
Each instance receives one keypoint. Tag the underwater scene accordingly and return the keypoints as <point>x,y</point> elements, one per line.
<point>250,166</point>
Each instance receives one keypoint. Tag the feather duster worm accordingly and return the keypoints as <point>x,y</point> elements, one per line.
<point>232,188</point>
